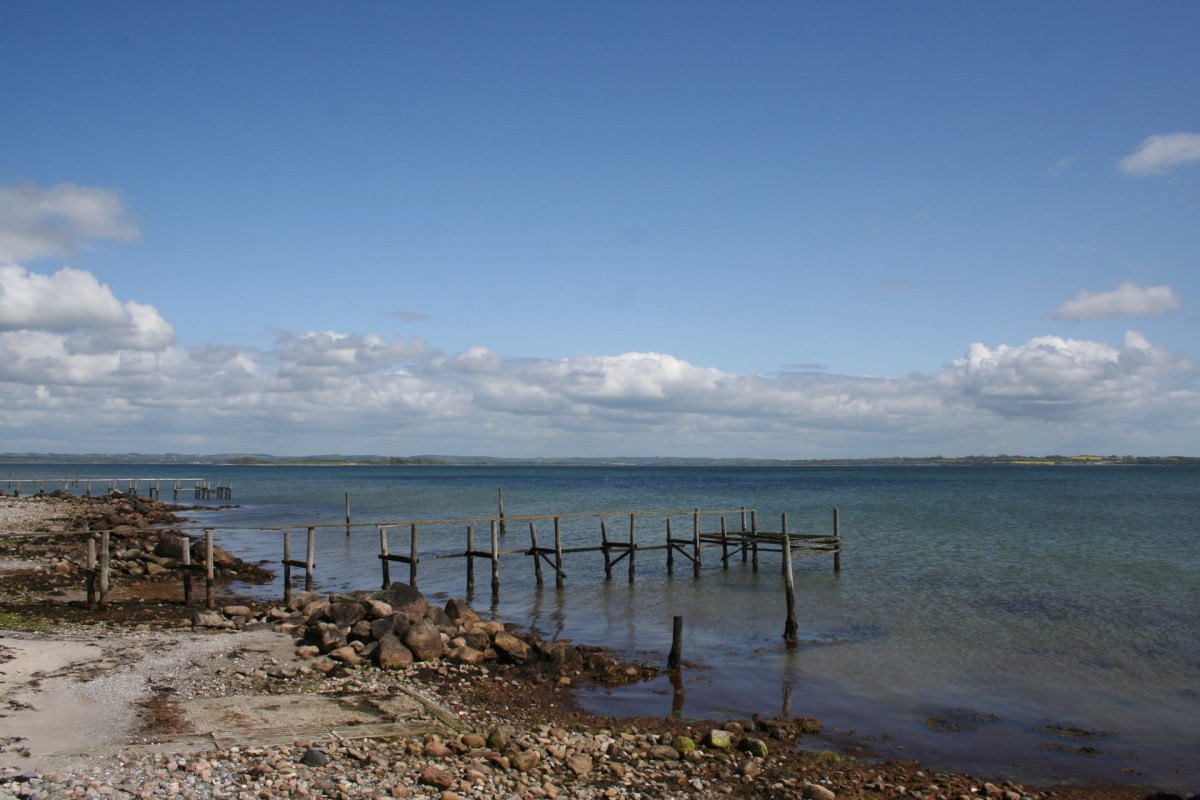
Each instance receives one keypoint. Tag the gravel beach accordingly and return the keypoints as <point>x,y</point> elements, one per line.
<point>152,699</point>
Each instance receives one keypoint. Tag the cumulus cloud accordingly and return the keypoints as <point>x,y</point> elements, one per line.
<point>120,376</point>
<point>1127,300</point>
<point>59,221</point>
<point>1162,153</point>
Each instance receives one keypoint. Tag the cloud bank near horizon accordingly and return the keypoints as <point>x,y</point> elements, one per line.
<point>82,370</point>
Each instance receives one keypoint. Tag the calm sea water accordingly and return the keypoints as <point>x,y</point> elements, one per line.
<point>1036,622</point>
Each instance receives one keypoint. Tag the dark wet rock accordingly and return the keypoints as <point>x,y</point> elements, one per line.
<point>406,601</point>
<point>424,640</point>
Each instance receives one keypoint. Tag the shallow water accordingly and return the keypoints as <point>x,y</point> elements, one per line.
<point>1039,622</point>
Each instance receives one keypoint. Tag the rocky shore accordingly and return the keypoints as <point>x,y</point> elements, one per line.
<point>496,713</point>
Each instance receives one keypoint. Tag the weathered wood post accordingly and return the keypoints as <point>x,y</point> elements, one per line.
<point>495,561</point>
<point>413,559</point>
<point>743,533</point>
<point>605,549</point>
<point>209,571</point>
<point>790,626</point>
<point>104,563</point>
<point>91,572</point>
<point>470,558</point>
<point>670,550</point>
<point>837,542</point>
<point>348,515</point>
<point>632,544</point>
<point>675,658</point>
<point>754,539</point>
<point>558,554</point>
<point>724,545</point>
<point>537,553</point>
<point>308,560</point>
<point>503,525</point>
<point>383,557</point>
<point>287,568</point>
<point>185,559</point>
<point>696,543</point>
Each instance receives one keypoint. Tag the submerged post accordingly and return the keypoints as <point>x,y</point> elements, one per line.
<point>670,550</point>
<point>537,553</point>
<point>604,548</point>
<point>470,558</point>
<point>632,543</point>
<point>348,515</point>
<point>754,539</point>
<point>790,626</point>
<point>503,526</point>
<point>837,542</point>
<point>675,658</point>
<point>495,561</point>
<point>696,543</point>
<point>558,570</point>
<point>412,557</point>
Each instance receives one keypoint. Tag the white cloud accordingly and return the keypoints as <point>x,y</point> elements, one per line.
<point>105,386</point>
<point>59,221</point>
<point>1127,300</point>
<point>1159,154</point>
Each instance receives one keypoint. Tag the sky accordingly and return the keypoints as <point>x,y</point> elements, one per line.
<point>707,229</point>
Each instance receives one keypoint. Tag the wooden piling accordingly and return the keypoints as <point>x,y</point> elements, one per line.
<point>696,543</point>
<point>470,558</point>
<point>209,570</point>
<point>186,561</point>
<point>675,658</point>
<point>537,553</point>
<point>383,557</point>
<point>91,572</point>
<point>287,568</point>
<point>790,626</point>
<point>754,538</point>
<point>670,549</point>
<point>503,526</point>
<point>837,542</point>
<point>348,515</point>
<point>558,553</point>
<point>308,561</point>
<point>414,549</point>
<point>632,544</point>
<point>604,547</point>
<point>104,563</point>
<point>495,561</point>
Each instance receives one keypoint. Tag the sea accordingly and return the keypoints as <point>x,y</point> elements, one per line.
<point>1040,623</point>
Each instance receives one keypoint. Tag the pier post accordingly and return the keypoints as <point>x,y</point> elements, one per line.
<point>470,558</point>
<point>742,531</point>
<point>495,561</point>
<point>696,543</point>
<point>91,572</point>
<point>670,550</point>
<point>632,544</point>
<point>558,554</point>
<point>348,516</point>
<point>287,568</point>
<point>790,626</point>
<point>754,539</point>
<point>837,542</point>
<point>537,553</point>
<point>383,557</point>
<point>308,560</point>
<point>724,545</point>
<point>675,658</point>
<point>186,561</point>
<point>209,576</point>
<point>503,525</point>
<point>104,563</point>
<point>412,556</point>
<point>604,547</point>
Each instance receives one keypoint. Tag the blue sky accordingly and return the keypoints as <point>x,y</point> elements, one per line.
<point>778,229</point>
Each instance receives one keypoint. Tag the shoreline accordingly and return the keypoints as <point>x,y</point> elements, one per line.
<point>504,694</point>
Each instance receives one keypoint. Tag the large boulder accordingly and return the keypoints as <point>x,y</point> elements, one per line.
<point>392,654</point>
<point>171,545</point>
<point>344,613</point>
<point>406,601</point>
<point>459,612</point>
<point>424,639</point>
<point>391,624</point>
<point>510,648</point>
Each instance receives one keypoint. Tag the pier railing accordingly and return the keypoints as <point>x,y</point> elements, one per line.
<point>201,488</point>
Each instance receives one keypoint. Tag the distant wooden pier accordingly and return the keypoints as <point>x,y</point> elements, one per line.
<point>201,488</point>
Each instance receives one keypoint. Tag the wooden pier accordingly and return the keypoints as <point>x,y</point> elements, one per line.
<point>201,488</point>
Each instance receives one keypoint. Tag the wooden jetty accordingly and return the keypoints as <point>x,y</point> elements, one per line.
<point>201,488</point>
